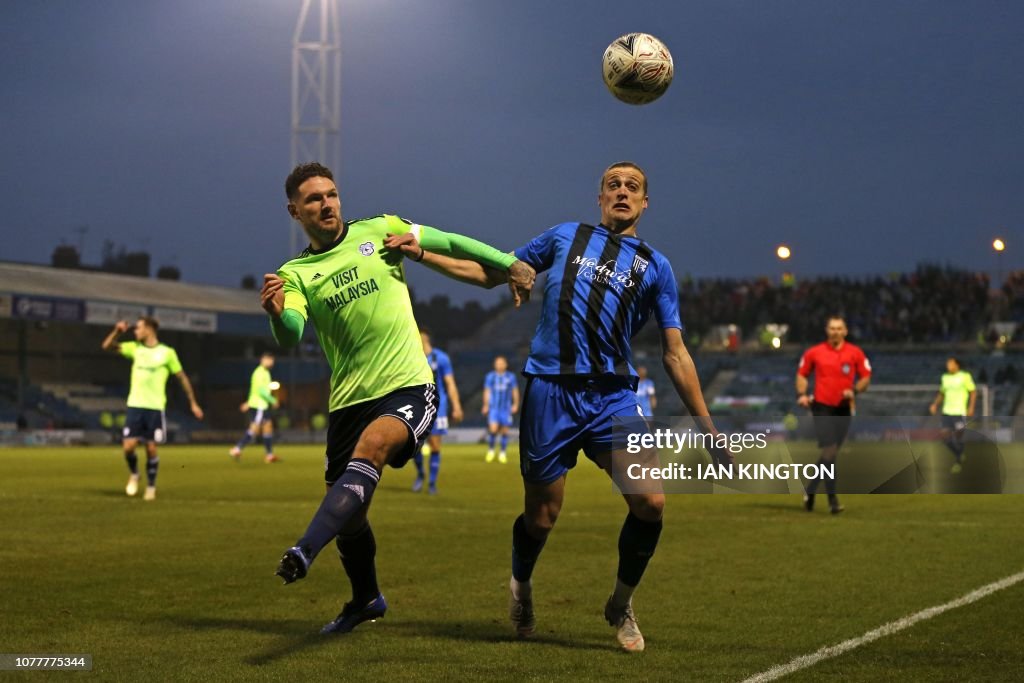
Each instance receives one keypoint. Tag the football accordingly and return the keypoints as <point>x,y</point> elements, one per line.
<point>637,68</point>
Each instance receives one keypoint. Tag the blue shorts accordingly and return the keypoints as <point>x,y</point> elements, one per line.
<point>502,418</point>
<point>259,415</point>
<point>561,415</point>
<point>145,424</point>
<point>955,423</point>
<point>440,426</point>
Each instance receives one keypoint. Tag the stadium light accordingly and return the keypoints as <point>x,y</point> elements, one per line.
<point>783,252</point>
<point>998,244</point>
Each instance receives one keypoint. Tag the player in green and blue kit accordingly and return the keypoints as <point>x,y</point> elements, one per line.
<point>383,399</point>
<point>501,402</point>
<point>152,364</point>
<point>957,395</point>
<point>603,284</point>
<point>447,392</point>
<point>258,407</point>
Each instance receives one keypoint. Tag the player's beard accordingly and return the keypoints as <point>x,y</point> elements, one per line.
<point>323,235</point>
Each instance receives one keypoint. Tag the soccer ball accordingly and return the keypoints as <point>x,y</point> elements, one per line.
<point>637,68</point>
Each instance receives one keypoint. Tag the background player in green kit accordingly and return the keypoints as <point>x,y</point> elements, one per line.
<point>261,399</point>
<point>957,395</point>
<point>382,398</point>
<point>152,364</point>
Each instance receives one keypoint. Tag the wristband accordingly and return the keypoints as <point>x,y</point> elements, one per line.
<point>419,258</point>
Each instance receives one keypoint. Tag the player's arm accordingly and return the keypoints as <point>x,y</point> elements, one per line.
<point>971,401</point>
<point>453,396</point>
<point>934,407</point>
<point>110,343</point>
<point>653,397</point>
<point>465,259</point>
<point>186,386</point>
<point>683,373</point>
<point>803,399</point>
<point>863,375</point>
<point>515,399</point>
<point>286,322</point>
<point>487,400</point>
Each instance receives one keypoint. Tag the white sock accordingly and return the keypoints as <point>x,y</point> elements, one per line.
<point>623,594</point>
<point>521,590</point>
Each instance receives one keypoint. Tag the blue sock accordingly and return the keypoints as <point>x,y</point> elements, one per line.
<point>246,440</point>
<point>417,459</point>
<point>637,542</point>
<point>133,462</point>
<point>268,444</point>
<point>346,497</point>
<point>525,550</point>
<point>435,465</point>
<point>357,552</point>
<point>152,465</point>
<point>504,442</point>
<point>490,440</point>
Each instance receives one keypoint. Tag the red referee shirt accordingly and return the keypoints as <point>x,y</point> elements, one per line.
<point>835,370</point>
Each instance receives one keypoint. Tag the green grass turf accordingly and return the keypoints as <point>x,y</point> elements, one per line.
<point>183,588</point>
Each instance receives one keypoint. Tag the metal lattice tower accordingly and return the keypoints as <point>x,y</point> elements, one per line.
<point>316,91</point>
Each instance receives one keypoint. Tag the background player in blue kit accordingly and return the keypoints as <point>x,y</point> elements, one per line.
<point>501,402</point>
<point>603,284</point>
<point>645,392</point>
<point>447,392</point>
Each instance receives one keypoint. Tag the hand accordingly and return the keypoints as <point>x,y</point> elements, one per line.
<point>121,326</point>
<point>457,414</point>
<point>272,294</point>
<point>515,409</point>
<point>933,409</point>
<point>721,456</point>
<point>405,243</point>
<point>520,281</point>
<point>244,407</point>
<point>197,411</point>
<point>848,394</point>
<point>483,409</point>
<point>804,401</point>
<point>970,412</point>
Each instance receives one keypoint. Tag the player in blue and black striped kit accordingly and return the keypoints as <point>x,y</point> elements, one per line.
<point>501,402</point>
<point>603,284</point>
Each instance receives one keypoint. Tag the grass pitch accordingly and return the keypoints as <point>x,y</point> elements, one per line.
<point>183,588</point>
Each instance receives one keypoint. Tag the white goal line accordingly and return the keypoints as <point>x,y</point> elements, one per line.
<point>887,630</point>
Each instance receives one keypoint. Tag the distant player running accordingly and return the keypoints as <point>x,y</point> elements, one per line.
<point>258,407</point>
<point>841,371</point>
<point>603,284</point>
<point>957,396</point>
<point>501,403</point>
<point>152,364</point>
<point>645,392</point>
<point>447,392</point>
<point>382,393</point>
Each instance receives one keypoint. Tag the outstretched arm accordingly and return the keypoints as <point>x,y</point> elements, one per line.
<point>110,343</point>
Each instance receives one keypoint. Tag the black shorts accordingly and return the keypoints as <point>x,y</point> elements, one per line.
<point>831,423</point>
<point>954,423</point>
<point>145,424</point>
<point>260,415</point>
<point>415,406</point>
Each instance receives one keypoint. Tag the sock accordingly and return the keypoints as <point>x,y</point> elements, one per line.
<point>623,593</point>
<point>521,590</point>
<point>268,444</point>
<point>637,542</point>
<point>830,486</point>
<point>357,552</point>
<point>344,499</point>
<point>417,460</point>
<point>525,551</point>
<point>152,465</point>
<point>490,440</point>
<point>812,486</point>
<point>245,441</point>
<point>133,462</point>
<point>504,442</point>
<point>435,466</point>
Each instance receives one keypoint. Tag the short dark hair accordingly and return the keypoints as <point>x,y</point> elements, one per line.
<point>955,360</point>
<point>267,354</point>
<point>624,164</point>
<point>425,332</point>
<point>302,173</point>
<point>835,316</point>
<point>150,322</point>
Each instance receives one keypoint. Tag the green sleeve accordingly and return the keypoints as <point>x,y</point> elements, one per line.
<point>460,246</point>
<point>265,394</point>
<point>288,328</point>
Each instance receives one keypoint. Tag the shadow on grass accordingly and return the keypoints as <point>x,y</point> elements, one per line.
<point>489,631</point>
<point>295,635</point>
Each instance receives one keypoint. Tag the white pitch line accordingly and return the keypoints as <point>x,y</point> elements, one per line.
<point>882,631</point>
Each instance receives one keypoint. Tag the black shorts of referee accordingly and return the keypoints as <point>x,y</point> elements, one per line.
<point>831,423</point>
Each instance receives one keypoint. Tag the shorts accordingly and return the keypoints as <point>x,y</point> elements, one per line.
<point>502,418</point>
<point>260,415</point>
<point>561,415</point>
<point>415,406</point>
<point>440,426</point>
<point>145,424</point>
<point>831,423</point>
<point>956,423</point>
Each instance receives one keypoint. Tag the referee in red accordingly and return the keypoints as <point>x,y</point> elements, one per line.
<point>841,370</point>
